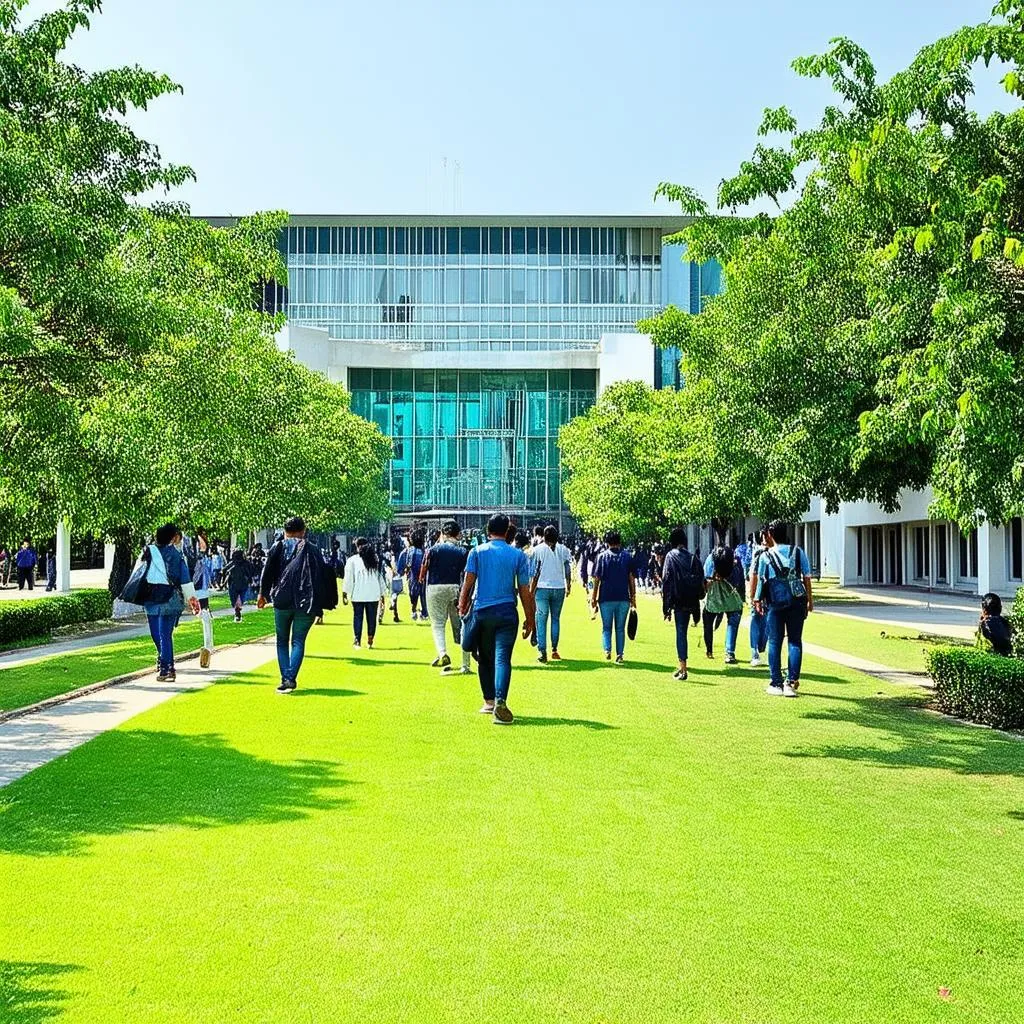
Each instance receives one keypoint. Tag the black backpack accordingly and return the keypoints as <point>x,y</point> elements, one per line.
<point>684,579</point>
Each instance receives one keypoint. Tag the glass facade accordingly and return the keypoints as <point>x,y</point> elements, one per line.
<point>493,288</point>
<point>472,439</point>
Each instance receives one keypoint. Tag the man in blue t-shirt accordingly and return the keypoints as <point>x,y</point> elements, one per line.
<point>442,574</point>
<point>498,572</point>
<point>614,593</point>
<point>779,557</point>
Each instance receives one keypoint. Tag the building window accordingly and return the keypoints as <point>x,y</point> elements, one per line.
<point>922,553</point>
<point>968,561</point>
<point>1015,544</point>
<point>941,553</point>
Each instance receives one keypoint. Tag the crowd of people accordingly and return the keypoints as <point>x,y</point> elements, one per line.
<point>486,593</point>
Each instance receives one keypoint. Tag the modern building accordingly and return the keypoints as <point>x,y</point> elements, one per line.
<point>470,341</point>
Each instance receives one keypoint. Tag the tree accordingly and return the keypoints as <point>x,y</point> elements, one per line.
<point>139,381</point>
<point>869,337</point>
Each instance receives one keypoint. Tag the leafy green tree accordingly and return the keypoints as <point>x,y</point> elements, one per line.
<point>869,338</point>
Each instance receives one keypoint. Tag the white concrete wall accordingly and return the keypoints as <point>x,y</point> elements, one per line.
<point>625,357</point>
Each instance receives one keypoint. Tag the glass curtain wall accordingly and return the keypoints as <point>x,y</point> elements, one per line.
<point>472,439</point>
<point>474,288</point>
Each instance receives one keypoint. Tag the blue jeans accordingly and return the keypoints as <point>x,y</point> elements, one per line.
<point>497,628</point>
<point>549,602</point>
<point>791,622</point>
<point>291,651</point>
<point>758,632</point>
<point>418,597</point>
<point>732,629</point>
<point>364,610</point>
<point>614,613</point>
<point>161,629</point>
<point>682,617</point>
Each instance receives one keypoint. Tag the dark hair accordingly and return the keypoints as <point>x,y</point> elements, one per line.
<point>521,539</point>
<point>451,528</point>
<point>360,541</point>
<point>497,525</point>
<point>335,544</point>
<point>722,559</point>
<point>417,539</point>
<point>677,538</point>
<point>165,534</point>
<point>540,531</point>
<point>992,604</point>
<point>368,555</point>
<point>551,534</point>
<point>237,555</point>
<point>613,538</point>
<point>750,538</point>
<point>295,525</point>
<point>779,531</point>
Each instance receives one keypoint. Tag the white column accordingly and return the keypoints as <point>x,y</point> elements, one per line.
<point>987,567</point>
<point>63,557</point>
<point>108,557</point>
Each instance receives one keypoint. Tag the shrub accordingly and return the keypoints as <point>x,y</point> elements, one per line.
<point>21,620</point>
<point>978,686</point>
<point>1017,621</point>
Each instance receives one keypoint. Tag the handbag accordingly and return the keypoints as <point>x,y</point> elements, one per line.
<point>631,624</point>
<point>470,630</point>
<point>722,598</point>
<point>136,589</point>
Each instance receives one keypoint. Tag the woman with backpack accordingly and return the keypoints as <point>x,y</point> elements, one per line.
<point>725,599</point>
<point>682,590</point>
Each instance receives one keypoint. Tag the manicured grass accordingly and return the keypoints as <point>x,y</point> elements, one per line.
<point>633,849</point>
<point>21,685</point>
<point>864,639</point>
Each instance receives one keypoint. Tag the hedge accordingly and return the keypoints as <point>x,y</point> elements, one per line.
<point>978,686</point>
<point>22,620</point>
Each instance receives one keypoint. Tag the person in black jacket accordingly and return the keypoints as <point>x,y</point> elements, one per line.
<point>296,580</point>
<point>682,589</point>
<point>993,627</point>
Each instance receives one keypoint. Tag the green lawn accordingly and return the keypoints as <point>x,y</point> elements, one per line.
<point>865,639</point>
<point>369,849</point>
<point>26,684</point>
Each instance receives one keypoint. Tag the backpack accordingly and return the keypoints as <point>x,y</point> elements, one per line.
<point>722,598</point>
<point>683,578</point>
<point>787,585</point>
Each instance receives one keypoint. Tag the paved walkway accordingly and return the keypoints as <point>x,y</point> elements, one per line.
<point>944,614</point>
<point>871,668</point>
<point>28,655</point>
<point>33,740</point>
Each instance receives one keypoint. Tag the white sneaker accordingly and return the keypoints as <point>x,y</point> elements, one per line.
<point>788,691</point>
<point>755,661</point>
<point>775,691</point>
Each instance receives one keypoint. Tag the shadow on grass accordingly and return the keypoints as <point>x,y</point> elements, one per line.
<point>1016,815</point>
<point>324,691</point>
<point>129,781</point>
<point>901,734</point>
<point>580,723</point>
<point>568,664</point>
<point>27,992</point>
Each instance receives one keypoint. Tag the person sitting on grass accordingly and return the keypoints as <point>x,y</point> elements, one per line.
<point>993,627</point>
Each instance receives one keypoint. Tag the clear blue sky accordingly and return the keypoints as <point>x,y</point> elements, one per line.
<point>548,106</point>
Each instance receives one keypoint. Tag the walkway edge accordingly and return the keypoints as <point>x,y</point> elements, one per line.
<point>84,691</point>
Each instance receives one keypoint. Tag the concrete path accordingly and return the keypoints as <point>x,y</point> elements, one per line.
<point>871,668</point>
<point>944,614</point>
<point>28,655</point>
<point>33,740</point>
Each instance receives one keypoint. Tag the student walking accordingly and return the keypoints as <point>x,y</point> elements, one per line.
<point>614,594</point>
<point>365,587</point>
<point>759,622</point>
<point>170,587</point>
<point>202,578</point>
<point>296,580</point>
<point>25,562</point>
<point>51,570</point>
<point>726,595</point>
<point>238,577</point>
<point>682,590</point>
<point>552,584</point>
<point>784,588</point>
<point>441,575</point>
<point>410,562</point>
<point>497,573</point>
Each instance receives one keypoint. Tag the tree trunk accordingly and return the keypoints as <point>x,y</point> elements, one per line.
<point>124,559</point>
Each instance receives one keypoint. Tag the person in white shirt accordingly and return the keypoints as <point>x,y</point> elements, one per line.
<point>365,586</point>
<point>552,583</point>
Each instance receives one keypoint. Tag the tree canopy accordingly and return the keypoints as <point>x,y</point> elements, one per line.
<point>869,337</point>
<point>139,381</point>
